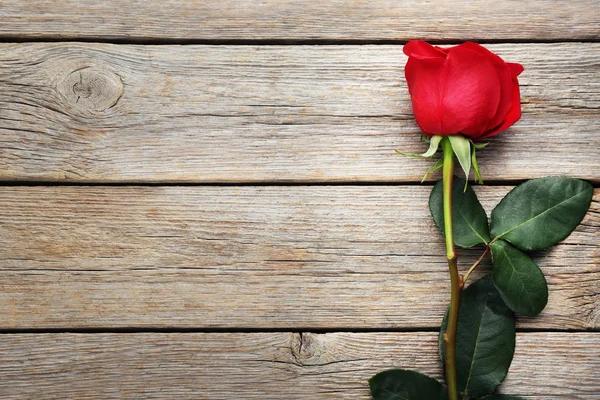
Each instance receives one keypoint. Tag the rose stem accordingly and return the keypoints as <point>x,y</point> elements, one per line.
<point>455,281</point>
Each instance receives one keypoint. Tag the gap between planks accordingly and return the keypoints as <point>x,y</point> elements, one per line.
<point>279,42</point>
<point>302,330</point>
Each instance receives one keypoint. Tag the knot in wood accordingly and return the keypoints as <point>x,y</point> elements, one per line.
<point>302,348</point>
<point>91,89</point>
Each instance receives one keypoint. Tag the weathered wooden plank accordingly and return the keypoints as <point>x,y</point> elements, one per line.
<point>270,365</point>
<point>252,257</point>
<point>98,112</point>
<point>300,20</point>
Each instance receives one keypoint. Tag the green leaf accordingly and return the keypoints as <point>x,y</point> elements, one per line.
<point>519,280</point>
<point>462,148</point>
<point>434,143</point>
<point>485,339</point>
<point>501,397</point>
<point>402,384</point>
<point>469,220</point>
<point>540,213</point>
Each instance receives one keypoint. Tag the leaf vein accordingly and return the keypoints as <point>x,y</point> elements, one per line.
<point>476,345</point>
<point>472,228</point>
<point>540,214</point>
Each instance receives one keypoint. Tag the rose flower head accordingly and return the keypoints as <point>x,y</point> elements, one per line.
<point>462,90</point>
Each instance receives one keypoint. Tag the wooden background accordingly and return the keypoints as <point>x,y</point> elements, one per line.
<point>200,199</point>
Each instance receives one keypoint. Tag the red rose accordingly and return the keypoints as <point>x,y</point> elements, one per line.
<point>464,89</point>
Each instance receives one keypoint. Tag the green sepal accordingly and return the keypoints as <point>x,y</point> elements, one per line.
<point>434,144</point>
<point>476,173</point>
<point>479,145</point>
<point>439,164</point>
<point>403,384</point>
<point>462,149</point>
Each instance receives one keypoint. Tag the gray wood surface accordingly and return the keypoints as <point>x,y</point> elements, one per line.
<point>252,257</point>
<point>269,365</point>
<point>300,20</point>
<point>100,113</point>
<point>264,92</point>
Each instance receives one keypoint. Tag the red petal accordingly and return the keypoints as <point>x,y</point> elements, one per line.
<point>506,96</point>
<point>514,114</point>
<point>423,50</point>
<point>515,69</point>
<point>423,78</point>
<point>471,94</point>
<point>506,71</point>
<point>479,49</point>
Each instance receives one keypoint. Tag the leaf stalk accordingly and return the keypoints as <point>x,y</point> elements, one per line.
<point>476,264</point>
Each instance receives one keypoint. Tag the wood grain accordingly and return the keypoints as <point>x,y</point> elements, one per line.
<point>300,20</point>
<point>108,113</point>
<point>252,257</point>
<point>269,365</point>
